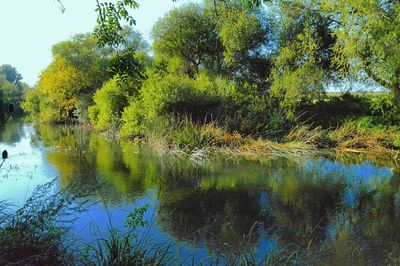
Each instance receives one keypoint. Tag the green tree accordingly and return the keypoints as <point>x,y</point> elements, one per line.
<point>247,42</point>
<point>82,53</point>
<point>115,94</point>
<point>31,103</point>
<point>188,36</point>
<point>10,74</point>
<point>11,86</point>
<point>368,35</point>
<point>222,39</point>
<point>304,58</point>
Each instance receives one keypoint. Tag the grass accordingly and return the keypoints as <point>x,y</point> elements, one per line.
<point>34,234</point>
<point>182,137</point>
<point>364,134</point>
<point>38,234</point>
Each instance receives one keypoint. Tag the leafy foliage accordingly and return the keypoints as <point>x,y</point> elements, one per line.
<point>12,88</point>
<point>108,31</point>
<point>10,74</point>
<point>194,46</point>
<point>367,33</point>
<point>109,102</point>
<point>303,61</point>
<point>244,36</point>
<point>203,99</point>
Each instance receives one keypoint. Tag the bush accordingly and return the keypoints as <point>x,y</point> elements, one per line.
<point>236,108</point>
<point>81,108</point>
<point>109,102</point>
<point>169,96</point>
<point>384,108</point>
<point>174,95</point>
<point>133,120</point>
<point>31,104</point>
<point>38,233</point>
<point>250,112</point>
<point>334,110</point>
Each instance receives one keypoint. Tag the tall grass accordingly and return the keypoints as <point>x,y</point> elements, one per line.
<point>125,247</point>
<point>183,137</point>
<point>365,134</point>
<point>37,233</point>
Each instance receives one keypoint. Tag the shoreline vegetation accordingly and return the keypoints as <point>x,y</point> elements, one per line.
<point>354,123</point>
<point>209,141</point>
<point>369,132</point>
<point>257,87</point>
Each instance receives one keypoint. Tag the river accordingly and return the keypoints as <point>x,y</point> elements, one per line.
<point>345,207</point>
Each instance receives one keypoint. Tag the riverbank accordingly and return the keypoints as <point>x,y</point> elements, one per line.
<point>208,141</point>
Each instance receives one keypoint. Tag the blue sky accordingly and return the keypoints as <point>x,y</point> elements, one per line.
<point>29,28</point>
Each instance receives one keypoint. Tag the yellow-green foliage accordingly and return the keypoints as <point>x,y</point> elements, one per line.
<point>60,84</point>
<point>133,120</point>
<point>237,108</point>
<point>240,32</point>
<point>169,95</point>
<point>109,103</point>
<point>78,68</point>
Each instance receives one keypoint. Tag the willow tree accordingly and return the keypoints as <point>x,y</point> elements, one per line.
<point>304,58</point>
<point>368,35</point>
<point>186,38</point>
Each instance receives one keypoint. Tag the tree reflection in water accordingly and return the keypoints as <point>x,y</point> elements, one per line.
<point>342,209</point>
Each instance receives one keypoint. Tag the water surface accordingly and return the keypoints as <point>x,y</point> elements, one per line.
<point>345,209</point>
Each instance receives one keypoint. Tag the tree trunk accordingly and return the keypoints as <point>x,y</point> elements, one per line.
<point>396,94</point>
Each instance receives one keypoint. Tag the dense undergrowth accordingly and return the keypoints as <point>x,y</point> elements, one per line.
<point>358,123</point>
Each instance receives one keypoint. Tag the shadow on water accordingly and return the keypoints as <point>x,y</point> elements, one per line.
<point>339,209</point>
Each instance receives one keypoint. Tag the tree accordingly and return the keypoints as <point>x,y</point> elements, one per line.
<point>368,35</point>
<point>223,40</point>
<point>110,16</point>
<point>188,35</point>
<point>78,69</point>
<point>246,38</point>
<point>82,53</point>
<point>11,87</point>
<point>10,74</point>
<point>60,84</point>
<point>304,58</point>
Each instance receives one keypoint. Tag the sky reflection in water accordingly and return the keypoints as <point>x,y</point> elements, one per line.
<point>214,207</point>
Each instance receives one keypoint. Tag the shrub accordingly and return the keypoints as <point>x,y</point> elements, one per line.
<point>169,96</point>
<point>109,102</point>
<point>334,110</point>
<point>250,112</point>
<point>81,108</point>
<point>383,107</point>
<point>236,108</point>
<point>37,233</point>
<point>133,120</point>
<point>31,104</point>
<point>174,95</point>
